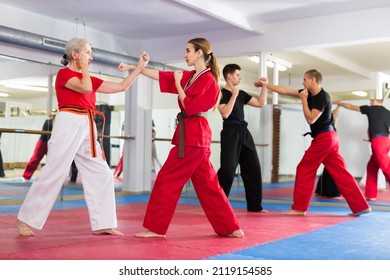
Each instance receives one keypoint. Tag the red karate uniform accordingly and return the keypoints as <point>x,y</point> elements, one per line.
<point>325,149</point>
<point>378,131</point>
<point>201,95</point>
<point>379,159</point>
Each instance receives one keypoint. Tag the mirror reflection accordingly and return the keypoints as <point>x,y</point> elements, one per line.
<point>27,102</point>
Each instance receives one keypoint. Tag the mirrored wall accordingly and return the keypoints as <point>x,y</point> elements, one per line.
<point>27,99</point>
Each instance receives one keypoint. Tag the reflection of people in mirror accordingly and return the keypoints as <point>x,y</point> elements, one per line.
<point>40,149</point>
<point>378,132</point>
<point>119,167</point>
<point>156,164</point>
<point>2,174</point>
<point>326,186</point>
<point>382,183</point>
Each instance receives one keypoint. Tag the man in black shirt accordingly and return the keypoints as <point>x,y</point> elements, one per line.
<point>324,148</point>
<point>237,145</point>
<point>378,132</point>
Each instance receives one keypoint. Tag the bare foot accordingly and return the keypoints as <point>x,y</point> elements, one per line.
<point>149,234</point>
<point>370,198</point>
<point>293,212</point>
<point>365,211</point>
<point>109,231</point>
<point>236,234</point>
<point>23,228</point>
<point>258,211</point>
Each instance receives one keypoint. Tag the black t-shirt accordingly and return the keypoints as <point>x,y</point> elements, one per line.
<point>378,119</point>
<point>323,103</point>
<point>237,114</point>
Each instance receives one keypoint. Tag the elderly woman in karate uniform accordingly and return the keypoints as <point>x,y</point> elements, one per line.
<point>74,138</point>
<point>198,92</point>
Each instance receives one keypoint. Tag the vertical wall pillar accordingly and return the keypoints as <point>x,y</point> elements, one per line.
<point>275,81</point>
<point>137,153</point>
<point>49,105</point>
<point>265,153</point>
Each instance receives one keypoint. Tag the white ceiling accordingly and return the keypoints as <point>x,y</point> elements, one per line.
<point>345,40</point>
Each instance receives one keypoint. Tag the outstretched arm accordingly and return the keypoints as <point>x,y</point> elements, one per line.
<point>113,87</point>
<point>348,105</point>
<point>148,72</point>
<point>280,89</point>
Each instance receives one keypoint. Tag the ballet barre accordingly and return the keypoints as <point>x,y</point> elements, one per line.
<point>212,141</point>
<point>45,132</point>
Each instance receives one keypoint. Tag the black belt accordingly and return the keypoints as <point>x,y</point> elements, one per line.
<point>379,134</point>
<point>235,122</point>
<point>328,128</point>
<point>180,117</point>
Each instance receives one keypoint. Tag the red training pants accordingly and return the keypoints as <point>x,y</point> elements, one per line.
<point>379,159</point>
<point>324,149</point>
<point>170,181</point>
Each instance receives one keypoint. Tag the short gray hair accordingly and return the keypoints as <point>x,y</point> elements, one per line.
<point>75,44</point>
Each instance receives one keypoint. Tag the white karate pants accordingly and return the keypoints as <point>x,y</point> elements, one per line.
<point>70,140</point>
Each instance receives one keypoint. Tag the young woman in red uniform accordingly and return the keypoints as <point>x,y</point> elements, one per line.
<point>197,92</point>
<point>74,138</point>
<point>317,109</point>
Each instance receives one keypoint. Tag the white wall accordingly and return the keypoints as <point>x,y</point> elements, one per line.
<point>292,143</point>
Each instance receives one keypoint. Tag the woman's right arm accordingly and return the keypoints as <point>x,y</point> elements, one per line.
<point>148,72</point>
